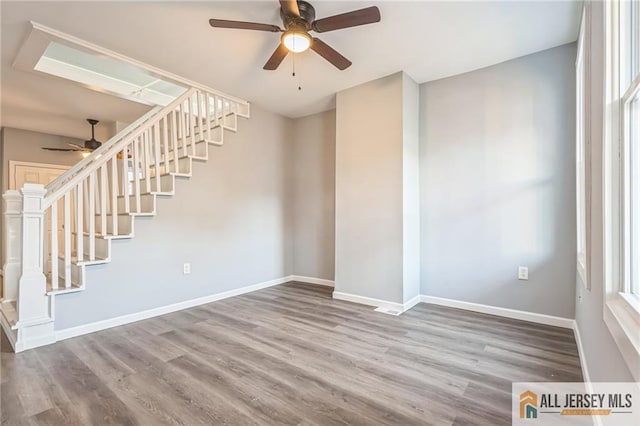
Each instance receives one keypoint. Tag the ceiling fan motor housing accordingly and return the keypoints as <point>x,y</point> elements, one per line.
<point>302,22</point>
<point>92,144</point>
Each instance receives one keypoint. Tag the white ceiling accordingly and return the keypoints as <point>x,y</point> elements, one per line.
<point>427,39</point>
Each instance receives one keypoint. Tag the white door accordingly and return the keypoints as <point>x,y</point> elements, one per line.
<point>21,173</point>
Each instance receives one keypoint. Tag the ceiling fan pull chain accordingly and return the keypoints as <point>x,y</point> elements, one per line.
<point>293,74</point>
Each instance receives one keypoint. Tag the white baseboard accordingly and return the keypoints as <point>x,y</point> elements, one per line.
<point>502,312</point>
<point>310,280</point>
<point>369,301</point>
<point>411,303</point>
<point>583,360</point>
<point>68,333</point>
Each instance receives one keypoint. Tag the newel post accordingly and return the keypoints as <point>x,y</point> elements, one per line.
<point>34,309</point>
<point>11,270</point>
<point>32,288</point>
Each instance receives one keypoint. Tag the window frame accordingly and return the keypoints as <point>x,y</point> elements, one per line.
<point>621,309</point>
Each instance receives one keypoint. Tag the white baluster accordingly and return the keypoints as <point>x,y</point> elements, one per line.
<point>147,160</point>
<point>136,171</point>
<point>216,109</point>
<point>92,216</point>
<point>207,117</point>
<point>183,129</point>
<point>125,178</point>
<point>199,116</point>
<point>165,145</point>
<point>192,126</point>
<point>54,245</point>
<point>67,240</point>
<point>156,154</point>
<point>79,224</point>
<point>103,200</point>
<point>114,195</point>
<point>174,140</point>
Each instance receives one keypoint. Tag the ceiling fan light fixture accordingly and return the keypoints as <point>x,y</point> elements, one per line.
<point>296,41</point>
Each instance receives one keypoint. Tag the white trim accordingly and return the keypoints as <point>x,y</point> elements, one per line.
<point>583,359</point>
<point>411,303</point>
<point>501,312</point>
<point>311,280</point>
<point>68,333</point>
<point>13,164</point>
<point>621,320</point>
<point>369,301</point>
<point>586,377</point>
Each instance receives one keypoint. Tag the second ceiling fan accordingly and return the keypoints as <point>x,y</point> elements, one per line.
<point>298,18</point>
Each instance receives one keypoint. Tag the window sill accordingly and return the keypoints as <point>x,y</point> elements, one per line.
<point>623,320</point>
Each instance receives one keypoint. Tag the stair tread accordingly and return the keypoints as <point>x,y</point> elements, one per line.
<point>85,259</point>
<point>62,289</point>
<point>106,237</point>
<point>131,213</point>
<point>10,312</point>
<point>143,194</point>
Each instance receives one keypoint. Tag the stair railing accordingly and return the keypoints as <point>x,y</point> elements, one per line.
<point>52,231</point>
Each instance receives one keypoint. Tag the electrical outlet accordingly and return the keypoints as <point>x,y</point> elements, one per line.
<point>523,273</point>
<point>186,269</point>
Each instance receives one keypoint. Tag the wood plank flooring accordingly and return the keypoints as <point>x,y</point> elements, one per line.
<point>287,355</point>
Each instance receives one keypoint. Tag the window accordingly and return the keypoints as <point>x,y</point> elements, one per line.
<point>630,146</point>
<point>582,145</point>
<point>622,178</point>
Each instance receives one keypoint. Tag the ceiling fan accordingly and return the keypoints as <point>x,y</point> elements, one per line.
<point>298,18</point>
<point>89,145</point>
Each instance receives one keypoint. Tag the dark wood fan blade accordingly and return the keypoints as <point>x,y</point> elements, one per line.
<point>330,54</point>
<point>222,23</point>
<point>290,7</point>
<point>365,16</point>
<point>76,146</point>
<point>276,59</point>
<point>60,149</point>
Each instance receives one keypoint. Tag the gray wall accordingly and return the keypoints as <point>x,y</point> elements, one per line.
<point>498,184</point>
<point>603,359</point>
<point>231,221</point>
<point>369,190</point>
<point>313,186</point>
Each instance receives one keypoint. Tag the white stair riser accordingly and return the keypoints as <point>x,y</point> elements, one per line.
<point>124,224</point>
<point>147,204</point>
<point>77,273</point>
<point>103,246</point>
<point>166,184</point>
<point>201,150</point>
<point>184,167</point>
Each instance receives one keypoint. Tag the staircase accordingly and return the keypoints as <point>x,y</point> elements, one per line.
<point>54,232</point>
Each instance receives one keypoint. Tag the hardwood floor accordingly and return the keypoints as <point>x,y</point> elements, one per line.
<point>287,355</point>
